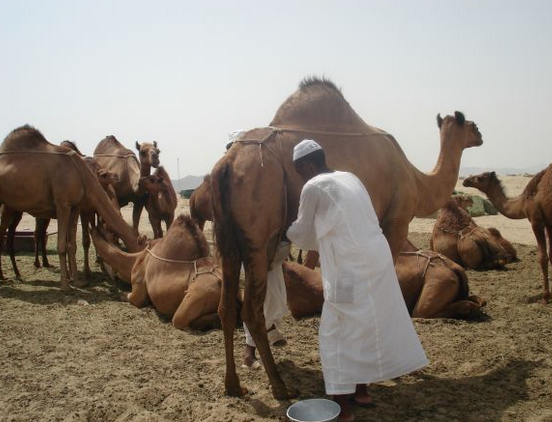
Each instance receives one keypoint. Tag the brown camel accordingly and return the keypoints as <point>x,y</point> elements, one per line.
<point>432,286</point>
<point>201,208</point>
<point>457,236</point>
<point>256,193</point>
<point>113,156</point>
<point>31,181</point>
<point>87,211</point>
<point>161,199</point>
<point>175,274</point>
<point>534,203</point>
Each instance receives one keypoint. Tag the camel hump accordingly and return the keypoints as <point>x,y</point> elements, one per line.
<point>25,137</point>
<point>532,187</point>
<point>110,145</point>
<point>72,146</point>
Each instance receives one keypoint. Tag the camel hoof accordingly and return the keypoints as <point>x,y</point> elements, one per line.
<point>288,394</point>
<point>544,301</point>
<point>80,283</point>
<point>236,391</point>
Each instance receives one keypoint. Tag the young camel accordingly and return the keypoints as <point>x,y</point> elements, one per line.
<point>175,274</point>
<point>432,286</point>
<point>162,200</point>
<point>31,181</point>
<point>457,236</point>
<point>534,203</point>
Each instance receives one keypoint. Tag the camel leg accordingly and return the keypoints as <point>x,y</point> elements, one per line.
<point>228,318</point>
<point>136,214</point>
<point>460,309</point>
<point>63,216</point>
<point>6,220</point>
<point>253,317</point>
<point>41,225</point>
<point>396,232</point>
<point>198,308</point>
<point>10,244</point>
<point>72,248</point>
<point>538,230</point>
<point>85,221</point>
<point>434,300</point>
<point>139,294</point>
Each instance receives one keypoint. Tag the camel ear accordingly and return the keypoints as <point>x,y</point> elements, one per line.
<point>439,120</point>
<point>137,146</point>
<point>493,174</point>
<point>460,119</point>
<point>155,144</point>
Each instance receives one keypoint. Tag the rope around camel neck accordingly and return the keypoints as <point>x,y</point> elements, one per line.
<point>194,263</point>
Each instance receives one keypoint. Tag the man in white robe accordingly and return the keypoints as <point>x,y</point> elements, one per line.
<point>366,334</point>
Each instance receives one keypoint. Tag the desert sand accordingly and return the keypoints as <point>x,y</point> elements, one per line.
<point>89,357</point>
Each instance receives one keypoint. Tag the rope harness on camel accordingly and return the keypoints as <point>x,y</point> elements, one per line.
<point>466,232</point>
<point>196,272</point>
<point>280,157</point>
<point>429,256</point>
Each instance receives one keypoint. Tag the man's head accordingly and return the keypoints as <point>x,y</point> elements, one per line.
<point>309,159</point>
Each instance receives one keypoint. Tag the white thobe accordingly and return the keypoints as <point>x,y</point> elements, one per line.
<point>366,334</point>
<point>275,304</point>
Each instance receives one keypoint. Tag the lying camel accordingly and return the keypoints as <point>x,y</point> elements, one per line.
<point>201,206</point>
<point>161,200</point>
<point>432,286</point>
<point>175,274</point>
<point>457,236</point>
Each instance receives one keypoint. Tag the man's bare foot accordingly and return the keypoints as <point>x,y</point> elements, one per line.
<point>362,397</point>
<point>346,414</point>
<point>249,358</point>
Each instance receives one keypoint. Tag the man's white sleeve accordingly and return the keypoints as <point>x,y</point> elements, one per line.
<point>303,232</point>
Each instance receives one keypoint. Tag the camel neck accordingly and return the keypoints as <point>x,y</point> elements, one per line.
<point>509,207</point>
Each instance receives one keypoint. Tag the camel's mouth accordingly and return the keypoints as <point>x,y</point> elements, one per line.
<point>467,183</point>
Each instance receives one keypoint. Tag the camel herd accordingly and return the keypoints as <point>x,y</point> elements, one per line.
<point>252,196</point>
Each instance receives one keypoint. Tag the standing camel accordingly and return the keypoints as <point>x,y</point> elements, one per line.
<point>201,208</point>
<point>161,200</point>
<point>50,181</point>
<point>87,211</point>
<point>534,203</point>
<point>113,156</point>
<point>175,274</point>
<point>255,192</point>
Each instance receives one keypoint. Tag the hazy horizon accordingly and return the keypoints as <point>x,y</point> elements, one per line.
<point>186,74</point>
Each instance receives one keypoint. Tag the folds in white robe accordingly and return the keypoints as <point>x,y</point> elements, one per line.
<point>366,334</point>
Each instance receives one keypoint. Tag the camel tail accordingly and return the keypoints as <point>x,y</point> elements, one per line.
<point>226,231</point>
<point>463,288</point>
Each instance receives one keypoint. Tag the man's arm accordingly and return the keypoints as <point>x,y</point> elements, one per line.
<point>303,232</point>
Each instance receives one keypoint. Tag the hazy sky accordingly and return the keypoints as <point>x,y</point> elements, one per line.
<point>187,73</point>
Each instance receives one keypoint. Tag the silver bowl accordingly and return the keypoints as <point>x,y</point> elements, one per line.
<point>314,410</point>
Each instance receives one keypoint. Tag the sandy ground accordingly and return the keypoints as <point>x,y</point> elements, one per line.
<point>89,357</point>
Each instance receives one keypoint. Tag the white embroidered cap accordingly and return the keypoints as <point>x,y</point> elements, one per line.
<point>234,135</point>
<point>305,147</point>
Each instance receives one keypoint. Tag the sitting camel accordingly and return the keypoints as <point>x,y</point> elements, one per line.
<point>432,286</point>
<point>161,201</point>
<point>175,274</point>
<point>534,203</point>
<point>457,236</point>
<point>201,207</point>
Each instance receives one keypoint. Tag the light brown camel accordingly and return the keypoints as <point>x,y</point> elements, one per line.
<point>534,203</point>
<point>50,181</point>
<point>200,203</point>
<point>457,236</point>
<point>87,210</point>
<point>161,200</point>
<point>113,156</point>
<point>256,192</point>
<point>175,274</point>
<point>432,286</point>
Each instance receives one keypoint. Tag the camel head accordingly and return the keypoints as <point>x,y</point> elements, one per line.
<point>106,177</point>
<point>151,183</point>
<point>458,129</point>
<point>148,154</point>
<point>482,181</point>
<point>463,201</point>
